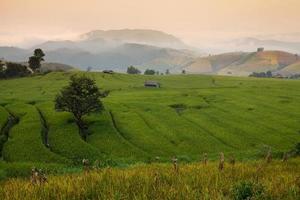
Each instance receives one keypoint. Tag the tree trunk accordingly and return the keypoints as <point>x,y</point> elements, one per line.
<point>82,128</point>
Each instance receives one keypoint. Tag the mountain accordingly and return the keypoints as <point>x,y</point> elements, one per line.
<point>291,69</point>
<point>101,41</point>
<point>212,64</point>
<point>243,64</point>
<point>118,49</point>
<point>139,36</point>
<point>14,54</point>
<point>121,57</point>
<point>112,50</point>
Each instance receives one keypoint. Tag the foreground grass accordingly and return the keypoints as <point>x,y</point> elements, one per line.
<point>160,181</point>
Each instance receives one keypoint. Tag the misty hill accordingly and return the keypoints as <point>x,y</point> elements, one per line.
<point>243,64</point>
<point>251,43</point>
<point>113,49</point>
<point>139,36</point>
<point>102,41</point>
<point>118,58</point>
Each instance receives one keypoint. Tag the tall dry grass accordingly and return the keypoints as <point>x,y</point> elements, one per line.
<point>160,181</point>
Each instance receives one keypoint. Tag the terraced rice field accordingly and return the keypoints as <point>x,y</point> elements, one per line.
<point>188,116</point>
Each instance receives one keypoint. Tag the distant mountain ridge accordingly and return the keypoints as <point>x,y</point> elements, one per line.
<point>243,64</point>
<point>100,41</point>
<point>118,49</point>
<point>251,43</point>
<point>139,36</point>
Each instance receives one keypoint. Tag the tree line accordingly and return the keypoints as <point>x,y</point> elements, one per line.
<point>134,70</point>
<point>11,69</point>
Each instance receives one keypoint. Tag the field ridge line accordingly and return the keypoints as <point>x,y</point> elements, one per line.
<point>122,135</point>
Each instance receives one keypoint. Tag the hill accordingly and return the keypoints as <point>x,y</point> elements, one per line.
<point>187,116</point>
<point>290,69</point>
<point>250,43</point>
<point>243,64</point>
<point>139,36</point>
<point>212,64</point>
<point>118,58</point>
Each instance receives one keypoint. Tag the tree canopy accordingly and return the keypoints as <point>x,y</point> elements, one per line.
<point>35,60</point>
<point>149,72</point>
<point>10,70</point>
<point>80,97</point>
<point>133,70</point>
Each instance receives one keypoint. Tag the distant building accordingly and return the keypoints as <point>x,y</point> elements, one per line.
<point>108,71</point>
<point>152,84</point>
<point>278,76</point>
<point>261,49</point>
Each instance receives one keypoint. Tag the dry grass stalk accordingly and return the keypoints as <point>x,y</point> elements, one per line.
<point>205,159</point>
<point>86,165</point>
<point>285,157</point>
<point>157,159</point>
<point>37,176</point>
<point>232,160</point>
<point>269,156</point>
<point>175,164</point>
<point>222,161</point>
<point>96,165</point>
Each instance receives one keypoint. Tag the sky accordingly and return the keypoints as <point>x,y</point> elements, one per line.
<point>24,22</point>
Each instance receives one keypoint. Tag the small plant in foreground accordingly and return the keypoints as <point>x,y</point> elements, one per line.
<point>205,159</point>
<point>246,190</point>
<point>222,161</point>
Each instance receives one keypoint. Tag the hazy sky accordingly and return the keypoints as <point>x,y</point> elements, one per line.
<point>194,21</point>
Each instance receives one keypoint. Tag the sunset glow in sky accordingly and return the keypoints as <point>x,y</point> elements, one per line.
<point>194,21</point>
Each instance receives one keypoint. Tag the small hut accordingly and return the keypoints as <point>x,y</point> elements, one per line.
<point>108,71</point>
<point>153,84</point>
<point>261,49</point>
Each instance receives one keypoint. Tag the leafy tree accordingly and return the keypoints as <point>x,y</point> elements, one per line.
<point>297,149</point>
<point>149,72</point>
<point>183,71</point>
<point>167,72</point>
<point>269,74</point>
<point>80,97</point>
<point>1,69</point>
<point>88,69</point>
<point>133,70</point>
<point>35,60</point>
<point>14,70</point>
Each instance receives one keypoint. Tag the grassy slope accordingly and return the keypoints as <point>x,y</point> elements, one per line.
<point>64,138</point>
<point>260,62</point>
<point>291,69</point>
<point>25,142</point>
<point>243,116</point>
<point>3,117</point>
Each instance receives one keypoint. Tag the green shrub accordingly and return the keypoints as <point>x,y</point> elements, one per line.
<point>246,190</point>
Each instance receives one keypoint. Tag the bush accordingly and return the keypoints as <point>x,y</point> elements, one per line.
<point>149,72</point>
<point>15,70</point>
<point>133,70</point>
<point>297,149</point>
<point>247,190</point>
